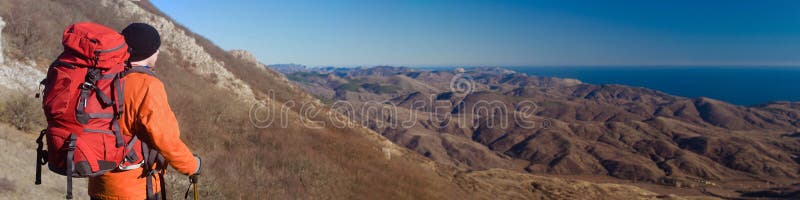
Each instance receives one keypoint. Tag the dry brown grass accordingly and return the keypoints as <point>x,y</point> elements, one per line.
<point>285,163</point>
<point>22,111</point>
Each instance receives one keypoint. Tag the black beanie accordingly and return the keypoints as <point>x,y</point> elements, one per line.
<point>143,40</point>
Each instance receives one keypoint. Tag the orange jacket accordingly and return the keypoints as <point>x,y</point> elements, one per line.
<point>147,113</point>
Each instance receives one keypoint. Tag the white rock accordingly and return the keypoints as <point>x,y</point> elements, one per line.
<point>19,76</point>
<point>244,55</point>
<point>2,24</point>
<point>16,75</point>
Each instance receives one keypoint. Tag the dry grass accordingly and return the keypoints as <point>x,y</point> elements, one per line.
<point>285,163</point>
<point>22,111</point>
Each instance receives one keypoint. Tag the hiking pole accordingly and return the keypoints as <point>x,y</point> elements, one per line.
<point>194,182</point>
<point>192,185</point>
<point>193,179</point>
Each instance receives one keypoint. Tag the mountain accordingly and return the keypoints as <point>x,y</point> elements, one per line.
<point>485,118</point>
<point>219,98</point>
<point>288,68</point>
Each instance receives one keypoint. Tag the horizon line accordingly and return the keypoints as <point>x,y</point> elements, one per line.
<point>571,65</point>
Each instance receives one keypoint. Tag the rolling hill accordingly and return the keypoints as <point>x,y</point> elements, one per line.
<point>545,125</point>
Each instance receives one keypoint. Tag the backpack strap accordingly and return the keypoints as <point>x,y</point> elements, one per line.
<point>70,164</point>
<point>131,156</point>
<point>41,156</point>
<point>142,70</point>
<point>120,91</point>
<point>162,169</point>
<point>148,169</point>
<point>154,164</point>
<point>92,75</point>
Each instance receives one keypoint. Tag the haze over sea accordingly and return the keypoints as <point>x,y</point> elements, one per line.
<point>738,85</point>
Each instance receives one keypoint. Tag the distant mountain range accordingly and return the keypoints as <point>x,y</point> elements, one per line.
<point>568,127</point>
<point>288,68</point>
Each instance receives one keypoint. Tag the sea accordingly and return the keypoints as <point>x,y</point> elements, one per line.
<point>746,86</point>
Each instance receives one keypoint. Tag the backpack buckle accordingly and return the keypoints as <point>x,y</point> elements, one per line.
<point>129,167</point>
<point>151,172</point>
<point>87,85</point>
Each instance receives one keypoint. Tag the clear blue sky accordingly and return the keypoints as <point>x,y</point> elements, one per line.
<point>500,32</point>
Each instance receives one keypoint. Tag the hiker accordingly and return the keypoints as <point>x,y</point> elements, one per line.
<point>146,114</point>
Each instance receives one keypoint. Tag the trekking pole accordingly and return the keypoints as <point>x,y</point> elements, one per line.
<point>194,180</point>
<point>192,186</point>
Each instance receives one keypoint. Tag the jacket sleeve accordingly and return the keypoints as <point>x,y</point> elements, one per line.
<point>162,127</point>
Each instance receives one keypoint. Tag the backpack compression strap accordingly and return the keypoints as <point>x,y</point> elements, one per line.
<point>41,156</point>
<point>154,163</point>
<point>70,165</point>
<point>94,74</point>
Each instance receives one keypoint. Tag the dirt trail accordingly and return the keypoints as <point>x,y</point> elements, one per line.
<point>18,153</point>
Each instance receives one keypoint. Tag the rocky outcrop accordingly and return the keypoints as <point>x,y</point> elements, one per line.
<point>245,56</point>
<point>2,25</point>
<point>19,76</point>
<point>16,76</point>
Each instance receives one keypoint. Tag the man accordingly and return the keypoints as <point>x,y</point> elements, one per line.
<point>147,115</point>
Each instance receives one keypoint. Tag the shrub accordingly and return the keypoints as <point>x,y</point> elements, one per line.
<point>23,112</point>
<point>352,85</point>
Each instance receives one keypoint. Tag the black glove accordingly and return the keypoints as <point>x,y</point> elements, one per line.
<point>193,177</point>
<point>199,165</point>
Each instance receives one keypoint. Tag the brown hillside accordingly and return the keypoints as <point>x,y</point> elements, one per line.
<point>624,132</point>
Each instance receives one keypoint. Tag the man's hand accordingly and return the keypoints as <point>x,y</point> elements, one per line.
<point>193,178</point>
<point>199,165</point>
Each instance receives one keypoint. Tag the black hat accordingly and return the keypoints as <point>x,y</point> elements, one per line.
<point>143,40</point>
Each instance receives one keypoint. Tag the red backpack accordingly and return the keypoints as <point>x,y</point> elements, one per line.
<point>83,100</point>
